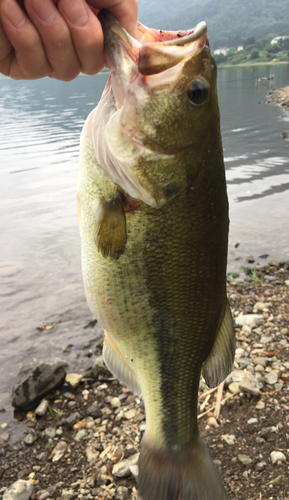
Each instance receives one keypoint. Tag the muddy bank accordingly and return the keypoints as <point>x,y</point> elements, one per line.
<point>87,443</point>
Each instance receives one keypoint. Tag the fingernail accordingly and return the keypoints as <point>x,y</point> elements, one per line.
<point>14,13</point>
<point>45,9</point>
<point>76,12</point>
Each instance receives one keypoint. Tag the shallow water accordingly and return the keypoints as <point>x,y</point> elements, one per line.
<point>40,123</point>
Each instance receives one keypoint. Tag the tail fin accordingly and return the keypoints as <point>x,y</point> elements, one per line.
<point>179,475</point>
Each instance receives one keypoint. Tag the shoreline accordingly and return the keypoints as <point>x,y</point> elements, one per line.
<point>269,63</point>
<point>77,449</point>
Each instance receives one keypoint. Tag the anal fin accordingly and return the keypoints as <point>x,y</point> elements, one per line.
<point>220,360</point>
<point>110,232</point>
<point>118,366</point>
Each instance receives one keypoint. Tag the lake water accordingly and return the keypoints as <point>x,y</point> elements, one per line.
<point>40,123</point>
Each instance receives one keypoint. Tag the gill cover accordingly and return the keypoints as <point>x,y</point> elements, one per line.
<point>146,130</point>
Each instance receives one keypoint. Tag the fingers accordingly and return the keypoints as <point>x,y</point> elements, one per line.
<point>125,12</point>
<point>56,38</point>
<point>86,33</point>
<point>22,55</point>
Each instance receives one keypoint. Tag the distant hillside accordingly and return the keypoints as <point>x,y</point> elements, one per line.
<point>229,21</point>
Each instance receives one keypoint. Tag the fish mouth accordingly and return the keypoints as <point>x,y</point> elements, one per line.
<point>156,51</point>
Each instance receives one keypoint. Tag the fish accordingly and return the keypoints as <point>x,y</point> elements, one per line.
<point>153,214</point>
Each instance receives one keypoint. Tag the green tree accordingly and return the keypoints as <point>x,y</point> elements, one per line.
<point>254,54</point>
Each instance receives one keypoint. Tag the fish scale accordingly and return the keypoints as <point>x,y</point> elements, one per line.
<point>153,214</point>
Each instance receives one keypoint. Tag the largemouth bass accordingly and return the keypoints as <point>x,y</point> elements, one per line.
<point>154,222</point>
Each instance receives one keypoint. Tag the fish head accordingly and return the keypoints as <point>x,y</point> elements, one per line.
<point>164,84</point>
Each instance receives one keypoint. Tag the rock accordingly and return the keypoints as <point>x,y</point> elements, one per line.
<point>73,418</point>
<point>234,376</point>
<point>81,424</point>
<point>49,433</point>
<point>43,495</point>
<point>260,466</point>
<point>4,437</point>
<point>287,282</point>
<point>252,421</point>
<point>250,385</point>
<point>73,379</point>
<point>122,493</point>
<point>134,470</point>
<point>271,378</point>
<point>277,456</point>
<point>260,405</point>
<point>259,368</point>
<point>20,490</point>
<point>283,342</point>
<point>234,388</point>
<point>229,438</point>
<point>59,450</point>
<point>42,408</point>
<point>129,414</point>
<point>122,469</point>
<point>239,352</point>
<point>260,306</point>
<point>260,361</point>
<point>80,435</point>
<point>43,379</point>
<point>212,422</point>
<point>265,340</point>
<point>115,403</point>
<point>246,329</point>
<point>245,459</point>
<point>91,454</point>
<point>284,331</point>
<point>30,438</point>
<point>250,259</point>
<point>98,367</point>
<point>93,410</point>
<point>251,320</point>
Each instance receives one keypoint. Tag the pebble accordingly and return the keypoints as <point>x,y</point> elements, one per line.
<point>59,450</point>
<point>260,361</point>
<point>73,379</point>
<point>73,418</point>
<point>234,388</point>
<point>251,320</point>
<point>284,331</point>
<point>265,340</point>
<point>234,376</point>
<point>134,470</point>
<point>260,306</point>
<point>271,378</point>
<point>260,405</point>
<point>42,408</point>
<point>283,342</point>
<point>277,456</point>
<point>260,466</point>
<point>91,454</point>
<point>129,414</point>
<point>212,422</point>
<point>250,385</point>
<point>30,438</point>
<point>115,403</point>
<point>245,459</point>
<point>252,421</point>
<point>20,490</point>
<point>49,433</point>
<point>80,435</point>
<point>122,493</point>
<point>122,469</point>
<point>229,438</point>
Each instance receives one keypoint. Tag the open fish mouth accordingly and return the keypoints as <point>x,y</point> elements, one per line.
<point>156,52</point>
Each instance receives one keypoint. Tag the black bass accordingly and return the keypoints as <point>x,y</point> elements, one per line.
<point>154,222</point>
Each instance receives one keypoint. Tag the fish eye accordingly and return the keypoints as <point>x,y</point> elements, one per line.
<point>198,92</point>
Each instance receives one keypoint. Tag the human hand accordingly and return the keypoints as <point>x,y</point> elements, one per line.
<point>57,38</point>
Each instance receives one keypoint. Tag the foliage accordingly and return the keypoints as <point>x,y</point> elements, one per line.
<point>230,22</point>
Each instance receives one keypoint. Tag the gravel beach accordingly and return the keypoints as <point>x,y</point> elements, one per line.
<point>86,444</point>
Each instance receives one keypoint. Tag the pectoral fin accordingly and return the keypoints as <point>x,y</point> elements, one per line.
<point>110,231</point>
<point>219,362</point>
<point>116,363</point>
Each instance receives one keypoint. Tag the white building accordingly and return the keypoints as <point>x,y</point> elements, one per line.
<point>223,51</point>
<point>277,39</point>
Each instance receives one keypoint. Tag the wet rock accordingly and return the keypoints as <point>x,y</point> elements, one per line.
<point>73,379</point>
<point>245,459</point>
<point>42,408</point>
<point>277,456</point>
<point>250,385</point>
<point>271,378</point>
<point>20,490</point>
<point>122,469</point>
<point>43,379</point>
<point>251,320</point>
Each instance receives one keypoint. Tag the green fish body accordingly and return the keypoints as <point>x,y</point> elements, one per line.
<point>153,216</point>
